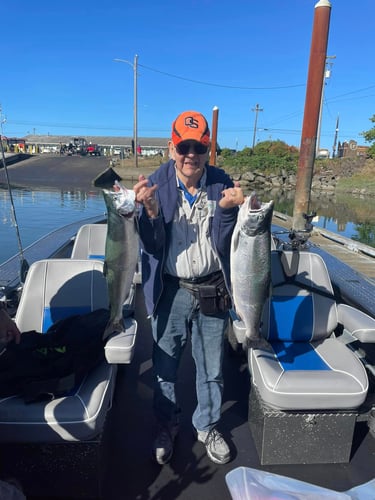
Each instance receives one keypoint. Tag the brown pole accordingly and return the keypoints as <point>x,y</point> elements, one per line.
<point>314,90</point>
<point>215,117</point>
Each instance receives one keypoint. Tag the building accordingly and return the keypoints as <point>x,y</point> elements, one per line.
<point>351,150</point>
<point>110,146</point>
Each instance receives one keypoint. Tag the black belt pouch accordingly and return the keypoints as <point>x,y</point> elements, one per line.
<point>208,299</point>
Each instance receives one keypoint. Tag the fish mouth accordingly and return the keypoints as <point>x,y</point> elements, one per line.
<point>254,203</point>
<point>256,221</point>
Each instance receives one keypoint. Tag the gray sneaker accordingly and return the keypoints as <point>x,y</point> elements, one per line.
<point>216,447</point>
<point>162,448</point>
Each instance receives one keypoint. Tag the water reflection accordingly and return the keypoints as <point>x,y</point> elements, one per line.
<point>41,211</point>
<point>349,215</point>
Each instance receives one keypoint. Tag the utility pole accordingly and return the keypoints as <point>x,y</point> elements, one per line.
<point>134,65</point>
<point>335,139</point>
<point>327,74</point>
<point>2,119</point>
<point>256,109</point>
<point>135,109</point>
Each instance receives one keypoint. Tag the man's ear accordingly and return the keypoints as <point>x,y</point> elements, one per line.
<point>171,149</point>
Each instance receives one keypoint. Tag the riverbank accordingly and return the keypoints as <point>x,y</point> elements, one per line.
<point>344,175</point>
<point>330,176</point>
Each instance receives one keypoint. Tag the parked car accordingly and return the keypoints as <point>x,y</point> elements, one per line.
<point>49,149</point>
<point>93,150</point>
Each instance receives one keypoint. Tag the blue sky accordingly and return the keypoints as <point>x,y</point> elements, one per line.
<point>58,75</point>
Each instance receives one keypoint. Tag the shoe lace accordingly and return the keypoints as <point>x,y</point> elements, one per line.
<point>213,437</point>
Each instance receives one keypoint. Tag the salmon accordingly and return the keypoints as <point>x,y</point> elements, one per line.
<point>251,264</point>
<point>121,247</point>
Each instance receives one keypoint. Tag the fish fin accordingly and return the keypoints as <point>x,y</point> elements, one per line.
<point>113,328</point>
<point>257,343</point>
<point>106,179</point>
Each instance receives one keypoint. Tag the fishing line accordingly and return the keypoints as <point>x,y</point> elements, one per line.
<point>23,261</point>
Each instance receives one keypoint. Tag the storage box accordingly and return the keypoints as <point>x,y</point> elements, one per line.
<point>298,437</point>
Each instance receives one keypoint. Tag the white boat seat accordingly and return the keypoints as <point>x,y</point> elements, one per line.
<point>90,242</point>
<point>306,368</point>
<point>55,289</point>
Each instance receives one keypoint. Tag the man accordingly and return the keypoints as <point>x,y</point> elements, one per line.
<point>8,328</point>
<point>189,212</point>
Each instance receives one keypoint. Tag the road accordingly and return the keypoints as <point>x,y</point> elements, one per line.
<point>55,171</point>
<point>66,172</point>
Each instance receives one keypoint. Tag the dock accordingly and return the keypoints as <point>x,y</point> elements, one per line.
<point>351,264</point>
<point>358,256</point>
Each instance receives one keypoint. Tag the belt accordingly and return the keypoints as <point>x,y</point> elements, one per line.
<point>192,281</point>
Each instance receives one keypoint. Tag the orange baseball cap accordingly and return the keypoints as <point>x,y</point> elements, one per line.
<point>190,125</point>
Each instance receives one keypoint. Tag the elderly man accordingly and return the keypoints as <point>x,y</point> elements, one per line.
<point>189,212</point>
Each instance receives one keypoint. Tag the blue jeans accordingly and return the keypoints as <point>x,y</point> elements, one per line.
<point>176,316</point>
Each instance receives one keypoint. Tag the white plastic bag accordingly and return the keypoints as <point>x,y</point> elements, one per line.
<point>245,483</point>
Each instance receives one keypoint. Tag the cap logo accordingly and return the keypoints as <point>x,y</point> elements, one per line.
<point>191,122</point>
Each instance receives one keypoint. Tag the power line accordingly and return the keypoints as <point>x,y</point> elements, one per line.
<point>199,82</point>
<point>352,92</point>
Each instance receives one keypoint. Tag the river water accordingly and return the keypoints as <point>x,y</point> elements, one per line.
<point>40,211</point>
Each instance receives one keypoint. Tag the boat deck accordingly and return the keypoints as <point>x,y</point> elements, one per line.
<point>190,474</point>
<point>126,469</point>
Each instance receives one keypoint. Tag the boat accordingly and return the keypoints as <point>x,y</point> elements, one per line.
<point>300,418</point>
<point>110,459</point>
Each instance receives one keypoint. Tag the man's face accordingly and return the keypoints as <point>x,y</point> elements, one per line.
<point>190,157</point>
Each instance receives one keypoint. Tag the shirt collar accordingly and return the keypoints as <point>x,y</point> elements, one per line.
<point>188,196</point>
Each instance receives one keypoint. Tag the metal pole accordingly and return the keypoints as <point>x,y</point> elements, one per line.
<point>256,109</point>
<point>135,130</point>
<point>215,117</point>
<point>134,65</point>
<point>327,74</point>
<point>335,139</point>
<point>311,114</point>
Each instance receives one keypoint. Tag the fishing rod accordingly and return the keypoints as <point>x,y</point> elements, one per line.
<point>24,266</point>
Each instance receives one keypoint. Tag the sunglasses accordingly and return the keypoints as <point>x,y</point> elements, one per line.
<point>183,148</point>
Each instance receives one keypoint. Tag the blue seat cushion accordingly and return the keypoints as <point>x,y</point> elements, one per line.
<point>291,318</point>
<point>298,356</point>
<point>53,314</point>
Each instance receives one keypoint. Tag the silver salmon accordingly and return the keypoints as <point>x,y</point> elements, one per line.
<point>121,246</point>
<point>251,264</point>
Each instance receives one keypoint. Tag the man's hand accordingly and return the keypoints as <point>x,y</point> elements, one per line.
<point>8,329</point>
<point>146,196</point>
<point>232,197</point>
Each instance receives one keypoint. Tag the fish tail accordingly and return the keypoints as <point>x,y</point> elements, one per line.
<point>113,327</point>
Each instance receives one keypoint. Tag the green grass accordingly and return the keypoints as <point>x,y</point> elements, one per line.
<point>362,181</point>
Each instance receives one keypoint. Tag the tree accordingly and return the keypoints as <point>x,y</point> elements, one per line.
<point>369,136</point>
<point>268,156</point>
